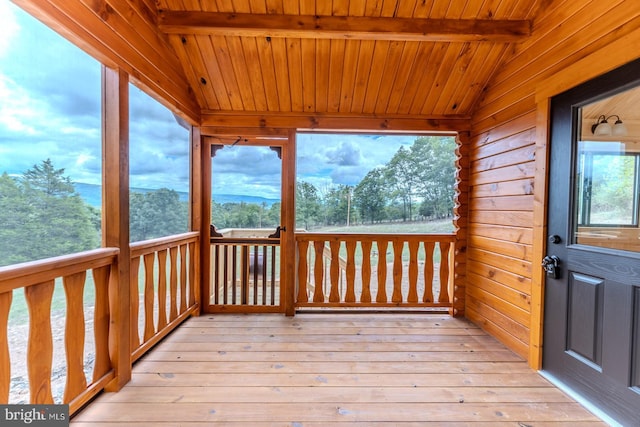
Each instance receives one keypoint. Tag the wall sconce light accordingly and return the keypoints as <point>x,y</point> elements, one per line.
<point>602,126</point>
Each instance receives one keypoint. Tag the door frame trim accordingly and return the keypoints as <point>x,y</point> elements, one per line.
<point>287,156</point>
<point>620,52</point>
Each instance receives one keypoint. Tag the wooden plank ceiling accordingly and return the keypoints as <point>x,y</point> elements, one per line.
<point>425,59</point>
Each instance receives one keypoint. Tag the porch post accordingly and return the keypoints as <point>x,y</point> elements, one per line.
<point>460,223</point>
<point>205,231</point>
<point>115,216</point>
<point>288,220</point>
<point>196,210</point>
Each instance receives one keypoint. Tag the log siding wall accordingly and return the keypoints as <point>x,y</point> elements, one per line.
<point>508,151</point>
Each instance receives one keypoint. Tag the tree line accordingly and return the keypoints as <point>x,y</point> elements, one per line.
<point>41,214</point>
<point>416,184</point>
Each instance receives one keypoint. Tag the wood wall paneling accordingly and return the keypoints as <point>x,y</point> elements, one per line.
<point>508,153</point>
<point>510,264</point>
<point>508,218</point>
<point>562,46</point>
<point>502,232</point>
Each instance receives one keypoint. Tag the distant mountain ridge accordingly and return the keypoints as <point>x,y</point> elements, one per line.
<point>239,198</point>
<point>92,194</point>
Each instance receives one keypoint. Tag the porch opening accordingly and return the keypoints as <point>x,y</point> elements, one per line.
<point>373,222</point>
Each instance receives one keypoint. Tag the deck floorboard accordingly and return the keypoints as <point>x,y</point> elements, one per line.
<point>333,369</point>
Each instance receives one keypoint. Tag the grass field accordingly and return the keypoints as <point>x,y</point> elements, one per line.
<point>439,226</point>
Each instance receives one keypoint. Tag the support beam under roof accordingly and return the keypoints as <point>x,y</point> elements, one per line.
<point>218,120</point>
<point>343,27</point>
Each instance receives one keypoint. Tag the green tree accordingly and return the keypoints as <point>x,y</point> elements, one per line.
<point>16,226</point>
<point>435,171</point>
<point>308,205</point>
<point>612,188</point>
<point>156,214</point>
<point>403,179</point>
<point>42,216</point>
<point>48,179</point>
<point>370,195</point>
<point>245,215</point>
<point>336,204</point>
<point>219,215</point>
<point>274,214</point>
<point>62,219</point>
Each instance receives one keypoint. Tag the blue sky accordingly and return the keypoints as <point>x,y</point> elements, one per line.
<point>50,108</point>
<point>323,159</point>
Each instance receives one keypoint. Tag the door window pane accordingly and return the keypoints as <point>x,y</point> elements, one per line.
<point>607,176</point>
<point>607,189</point>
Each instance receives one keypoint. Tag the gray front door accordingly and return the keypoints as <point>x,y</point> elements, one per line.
<point>592,295</point>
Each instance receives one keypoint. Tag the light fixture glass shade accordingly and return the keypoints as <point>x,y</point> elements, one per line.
<point>603,129</point>
<point>619,129</point>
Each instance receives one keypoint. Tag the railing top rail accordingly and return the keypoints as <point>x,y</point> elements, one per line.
<point>153,245</point>
<point>390,237</point>
<point>32,272</point>
<point>247,241</point>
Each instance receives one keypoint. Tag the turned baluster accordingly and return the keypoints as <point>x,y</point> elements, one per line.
<point>40,345</point>
<point>429,248</point>
<point>74,335</point>
<point>303,248</point>
<point>413,271</point>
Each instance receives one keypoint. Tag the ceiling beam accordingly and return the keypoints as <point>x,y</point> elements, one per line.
<point>343,27</point>
<point>215,122</point>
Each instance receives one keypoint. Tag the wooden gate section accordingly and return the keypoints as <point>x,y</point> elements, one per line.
<point>245,275</point>
<point>379,271</point>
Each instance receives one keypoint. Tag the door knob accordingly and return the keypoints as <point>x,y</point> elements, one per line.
<point>551,266</point>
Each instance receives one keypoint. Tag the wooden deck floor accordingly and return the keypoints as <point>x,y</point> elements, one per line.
<point>321,369</point>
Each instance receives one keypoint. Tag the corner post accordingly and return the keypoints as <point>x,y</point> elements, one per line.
<point>115,216</point>
<point>460,223</point>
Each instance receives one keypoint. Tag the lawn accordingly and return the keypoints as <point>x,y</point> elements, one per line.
<point>423,227</point>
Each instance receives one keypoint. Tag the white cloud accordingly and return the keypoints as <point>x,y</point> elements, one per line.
<point>9,27</point>
<point>345,154</point>
<point>18,111</point>
<point>83,158</point>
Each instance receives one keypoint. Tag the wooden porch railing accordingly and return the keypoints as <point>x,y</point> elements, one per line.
<point>170,293</point>
<point>363,279</point>
<point>170,289</point>
<point>245,273</point>
<point>38,279</point>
